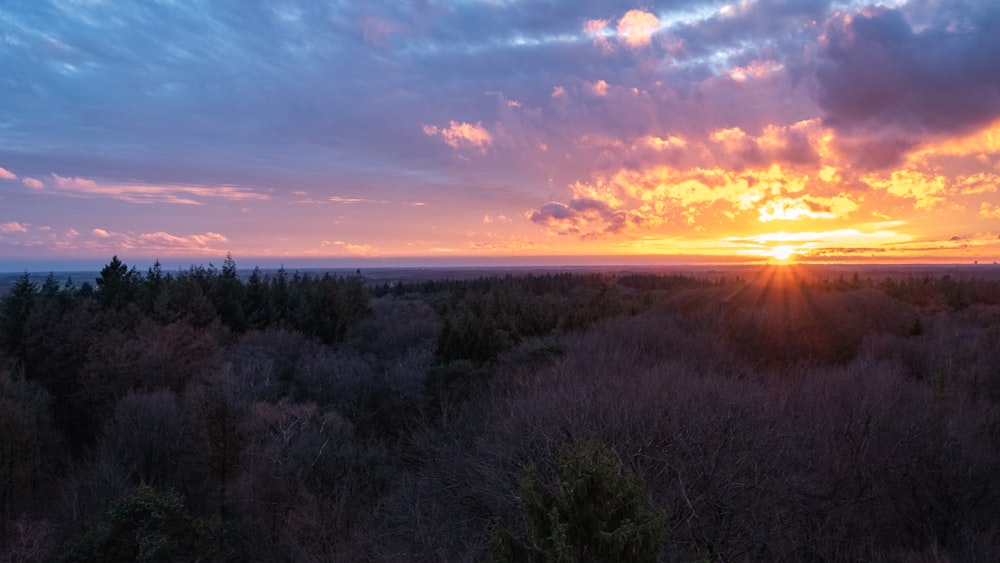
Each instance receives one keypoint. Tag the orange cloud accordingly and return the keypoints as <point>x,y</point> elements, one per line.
<point>927,190</point>
<point>806,207</point>
<point>989,211</point>
<point>636,28</point>
<point>7,174</point>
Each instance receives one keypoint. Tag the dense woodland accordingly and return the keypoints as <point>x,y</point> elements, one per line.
<point>781,415</point>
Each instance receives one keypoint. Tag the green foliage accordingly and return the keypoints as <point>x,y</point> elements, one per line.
<point>117,285</point>
<point>14,313</point>
<point>145,526</point>
<point>598,511</point>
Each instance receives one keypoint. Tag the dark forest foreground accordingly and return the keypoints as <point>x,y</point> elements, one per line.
<point>771,416</point>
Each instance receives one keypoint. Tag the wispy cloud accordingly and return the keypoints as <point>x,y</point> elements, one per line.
<point>13,227</point>
<point>32,183</point>
<point>147,193</point>
<point>458,135</point>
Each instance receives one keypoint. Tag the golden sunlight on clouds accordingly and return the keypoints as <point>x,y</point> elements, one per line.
<point>984,141</point>
<point>739,184</point>
<point>989,211</point>
<point>806,207</point>
<point>927,191</point>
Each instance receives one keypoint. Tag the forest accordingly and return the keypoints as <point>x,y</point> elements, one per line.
<point>780,413</point>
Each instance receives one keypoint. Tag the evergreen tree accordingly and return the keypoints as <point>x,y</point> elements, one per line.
<point>14,311</point>
<point>598,511</point>
<point>116,285</point>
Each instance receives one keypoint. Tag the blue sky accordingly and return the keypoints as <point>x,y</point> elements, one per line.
<point>491,130</point>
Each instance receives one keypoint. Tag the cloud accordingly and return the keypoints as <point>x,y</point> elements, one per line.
<point>7,174</point>
<point>355,200</point>
<point>13,227</point>
<point>927,191</point>
<point>376,30</point>
<point>588,218</point>
<point>989,211</point>
<point>147,193</point>
<point>887,87</point>
<point>599,88</point>
<point>161,240</point>
<point>598,29</point>
<point>32,183</point>
<point>100,241</point>
<point>458,135</point>
<point>348,248</point>
<point>806,207</point>
<point>496,219</point>
<point>636,28</point>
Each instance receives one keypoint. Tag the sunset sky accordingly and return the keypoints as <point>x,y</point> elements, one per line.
<point>425,132</point>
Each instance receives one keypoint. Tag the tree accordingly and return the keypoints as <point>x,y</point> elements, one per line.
<point>147,525</point>
<point>227,295</point>
<point>26,444</point>
<point>116,285</point>
<point>14,312</point>
<point>598,511</point>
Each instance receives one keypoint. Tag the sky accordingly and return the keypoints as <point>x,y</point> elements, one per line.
<point>425,132</point>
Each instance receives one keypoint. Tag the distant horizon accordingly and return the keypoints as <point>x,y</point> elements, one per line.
<point>170,264</point>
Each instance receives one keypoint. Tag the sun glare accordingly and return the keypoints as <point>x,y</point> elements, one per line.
<point>783,252</point>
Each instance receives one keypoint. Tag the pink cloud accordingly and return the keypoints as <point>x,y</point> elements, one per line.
<point>13,227</point>
<point>598,28</point>
<point>32,183</point>
<point>636,28</point>
<point>599,88</point>
<point>106,242</point>
<point>166,241</point>
<point>463,134</point>
<point>151,193</point>
<point>7,174</point>
<point>353,249</point>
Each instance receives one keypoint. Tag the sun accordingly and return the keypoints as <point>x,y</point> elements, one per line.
<point>783,252</point>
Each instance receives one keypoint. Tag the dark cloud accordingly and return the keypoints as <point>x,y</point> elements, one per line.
<point>585,217</point>
<point>886,86</point>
